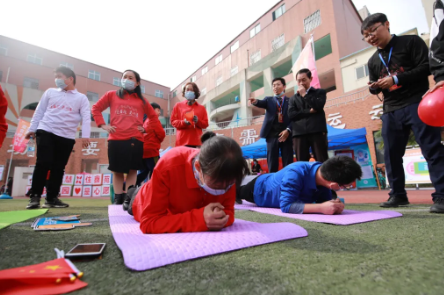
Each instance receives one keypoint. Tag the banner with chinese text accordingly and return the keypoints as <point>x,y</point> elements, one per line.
<point>415,167</point>
<point>306,60</point>
<point>19,140</point>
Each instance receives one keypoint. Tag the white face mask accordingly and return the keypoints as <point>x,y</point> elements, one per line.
<point>60,83</point>
<point>128,84</point>
<point>212,191</point>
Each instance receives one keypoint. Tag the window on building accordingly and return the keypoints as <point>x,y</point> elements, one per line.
<point>106,117</point>
<point>255,57</point>
<point>219,81</point>
<point>313,21</point>
<point>94,75</point>
<point>67,65</point>
<point>234,47</point>
<point>90,165</point>
<point>31,83</point>
<point>116,82</point>
<point>204,71</point>
<point>379,151</point>
<point>254,31</point>
<point>203,91</point>
<point>279,12</point>
<point>33,58</point>
<point>142,88</point>
<point>193,79</point>
<point>234,71</point>
<point>3,50</point>
<point>159,93</point>
<point>218,59</point>
<point>362,72</point>
<point>174,93</point>
<point>278,42</point>
<point>161,112</point>
<point>92,96</point>
<point>323,47</point>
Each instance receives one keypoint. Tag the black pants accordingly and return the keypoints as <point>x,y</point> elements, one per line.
<point>52,154</point>
<point>318,143</point>
<point>273,148</point>
<point>396,128</point>
<point>149,164</point>
<point>246,192</point>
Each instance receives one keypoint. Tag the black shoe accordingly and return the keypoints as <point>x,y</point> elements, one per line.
<point>239,201</point>
<point>54,203</point>
<point>438,206</point>
<point>119,198</point>
<point>395,201</point>
<point>128,197</point>
<point>34,203</point>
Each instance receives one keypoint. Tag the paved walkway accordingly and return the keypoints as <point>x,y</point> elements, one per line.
<point>354,197</point>
<point>375,196</point>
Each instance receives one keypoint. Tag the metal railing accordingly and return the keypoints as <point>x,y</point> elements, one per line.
<point>226,124</point>
<point>216,105</point>
<point>352,97</point>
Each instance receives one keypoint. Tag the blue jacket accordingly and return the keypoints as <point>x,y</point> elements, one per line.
<point>290,188</point>
<point>269,103</point>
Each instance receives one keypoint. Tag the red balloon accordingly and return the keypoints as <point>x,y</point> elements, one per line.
<point>431,108</point>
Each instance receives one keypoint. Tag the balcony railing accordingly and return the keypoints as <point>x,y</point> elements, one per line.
<point>352,97</point>
<point>216,105</point>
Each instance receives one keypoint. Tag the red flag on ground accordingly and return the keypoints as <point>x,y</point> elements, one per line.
<point>53,277</point>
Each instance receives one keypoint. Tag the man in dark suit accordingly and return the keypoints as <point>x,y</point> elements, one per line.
<point>306,110</point>
<point>276,128</point>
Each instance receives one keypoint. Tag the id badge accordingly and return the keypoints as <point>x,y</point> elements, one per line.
<point>280,118</point>
<point>394,87</point>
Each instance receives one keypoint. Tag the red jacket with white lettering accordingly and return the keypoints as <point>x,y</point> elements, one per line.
<point>3,110</point>
<point>152,139</point>
<point>126,114</point>
<point>172,200</point>
<point>189,134</point>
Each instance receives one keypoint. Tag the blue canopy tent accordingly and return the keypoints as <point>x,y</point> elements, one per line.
<point>344,138</point>
<point>255,150</point>
<point>337,139</point>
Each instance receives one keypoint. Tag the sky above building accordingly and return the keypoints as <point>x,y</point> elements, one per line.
<point>165,41</point>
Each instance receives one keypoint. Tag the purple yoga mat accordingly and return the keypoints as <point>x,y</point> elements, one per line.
<point>142,251</point>
<point>346,218</point>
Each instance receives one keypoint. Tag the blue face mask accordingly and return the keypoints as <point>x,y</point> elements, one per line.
<point>189,95</point>
<point>282,93</point>
<point>212,191</point>
<point>60,83</point>
<point>128,84</point>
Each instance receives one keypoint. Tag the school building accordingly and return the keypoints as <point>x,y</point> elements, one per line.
<point>244,68</point>
<point>26,71</point>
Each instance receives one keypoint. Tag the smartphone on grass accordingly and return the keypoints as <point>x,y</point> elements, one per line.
<point>92,250</point>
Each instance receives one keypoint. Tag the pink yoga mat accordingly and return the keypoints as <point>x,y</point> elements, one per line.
<point>146,251</point>
<point>347,217</point>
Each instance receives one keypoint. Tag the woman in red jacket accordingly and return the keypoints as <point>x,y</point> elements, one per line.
<point>125,141</point>
<point>151,146</point>
<point>191,190</point>
<point>189,117</point>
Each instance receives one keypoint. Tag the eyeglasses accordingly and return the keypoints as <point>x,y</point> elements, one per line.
<point>372,34</point>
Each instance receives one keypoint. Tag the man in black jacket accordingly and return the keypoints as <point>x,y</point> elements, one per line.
<point>436,57</point>
<point>277,126</point>
<point>306,110</point>
<point>400,69</point>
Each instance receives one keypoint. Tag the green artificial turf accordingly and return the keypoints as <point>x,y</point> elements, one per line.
<point>10,217</point>
<point>396,256</point>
